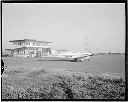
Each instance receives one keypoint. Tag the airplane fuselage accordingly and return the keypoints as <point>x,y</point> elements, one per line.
<point>76,56</point>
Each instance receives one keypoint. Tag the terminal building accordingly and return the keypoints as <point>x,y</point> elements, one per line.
<point>29,48</point>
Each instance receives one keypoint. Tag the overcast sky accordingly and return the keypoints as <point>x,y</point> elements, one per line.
<point>66,25</point>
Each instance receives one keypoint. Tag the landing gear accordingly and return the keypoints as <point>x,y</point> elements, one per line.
<point>81,59</point>
<point>75,59</point>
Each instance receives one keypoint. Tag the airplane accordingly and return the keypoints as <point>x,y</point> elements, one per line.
<point>75,55</point>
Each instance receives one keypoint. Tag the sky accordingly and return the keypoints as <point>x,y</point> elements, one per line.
<point>66,25</point>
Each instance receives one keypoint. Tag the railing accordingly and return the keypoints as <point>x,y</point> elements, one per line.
<point>19,46</point>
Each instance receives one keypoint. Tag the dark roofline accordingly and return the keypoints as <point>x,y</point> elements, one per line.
<point>8,49</point>
<point>29,40</point>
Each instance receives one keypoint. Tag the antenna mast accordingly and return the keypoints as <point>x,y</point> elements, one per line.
<point>26,35</point>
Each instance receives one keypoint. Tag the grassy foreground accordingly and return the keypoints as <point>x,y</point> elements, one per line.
<point>59,84</point>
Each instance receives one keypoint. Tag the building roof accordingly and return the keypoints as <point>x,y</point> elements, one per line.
<point>8,49</point>
<point>28,48</point>
<point>29,40</point>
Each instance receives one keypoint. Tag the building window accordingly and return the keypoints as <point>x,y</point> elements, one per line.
<point>38,44</point>
<point>14,43</point>
<point>18,52</point>
<point>19,43</point>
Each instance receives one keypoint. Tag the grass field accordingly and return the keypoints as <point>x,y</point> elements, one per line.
<point>47,78</point>
<point>113,64</point>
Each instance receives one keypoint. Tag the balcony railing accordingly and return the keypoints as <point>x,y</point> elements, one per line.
<point>19,46</point>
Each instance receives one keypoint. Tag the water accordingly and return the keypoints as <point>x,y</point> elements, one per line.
<point>104,63</point>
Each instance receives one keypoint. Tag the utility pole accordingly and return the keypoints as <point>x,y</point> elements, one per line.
<point>97,50</point>
<point>86,43</point>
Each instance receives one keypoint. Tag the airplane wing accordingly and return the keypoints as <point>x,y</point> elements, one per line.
<point>80,56</point>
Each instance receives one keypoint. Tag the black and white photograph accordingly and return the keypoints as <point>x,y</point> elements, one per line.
<point>63,51</point>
